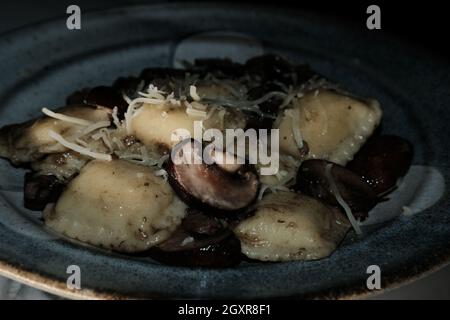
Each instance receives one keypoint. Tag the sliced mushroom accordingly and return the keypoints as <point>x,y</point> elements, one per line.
<point>382,161</point>
<point>151,74</point>
<point>127,85</point>
<point>210,187</point>
<point>271,67</point>
<point>312,179</point>
<point>106,97</point>
<point>200,241</point>
<point>268,107</point>
<point>199,224</point>
<point>220,251</point>
<point>219,67</point>
<point>40,190</point>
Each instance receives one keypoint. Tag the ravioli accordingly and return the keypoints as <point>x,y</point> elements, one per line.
<point>333,125</point>
<point>289,226</point>
<point>29,141</point>
<point>154,124</point>
<point>116,205</point>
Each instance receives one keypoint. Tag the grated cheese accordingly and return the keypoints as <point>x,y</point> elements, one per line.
<point>193,93</point>
<point>77,148</point>
<point>116,120</point>
<point>227,86</point>
<point>63,117</point>
<point>107,143</point>
<point>211,112</point>
<point>161,173</point>
<point>83,143</point>
<point>126,98</point>
<point>186,241</point>
<point>193,112</point>
<point>152,96</point>
<point>263,189</point>
<point>94,126</point>
<point>294,113</point>
<point>288,99</point>
<point>163,159</point>
<point>118,143</point>
<point>340,200</point>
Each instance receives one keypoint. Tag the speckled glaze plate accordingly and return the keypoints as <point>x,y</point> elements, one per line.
<point>40,65</point>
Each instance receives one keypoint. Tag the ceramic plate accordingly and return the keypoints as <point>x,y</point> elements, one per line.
<point>40,65</point>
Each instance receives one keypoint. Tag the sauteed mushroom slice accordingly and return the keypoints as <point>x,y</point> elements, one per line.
<point>149,74</point>
<point>39,190</point>
<point>127,85</point>
<point>200,241</point>
<point>213,187</point>
<point>219,67</point>
<point>382,161</point>
<point>107,97</point>
<point>198,223</point>
<point>271,67</point>
<point>312,179</point>
<point>269,107</point>
<point>220,251</point>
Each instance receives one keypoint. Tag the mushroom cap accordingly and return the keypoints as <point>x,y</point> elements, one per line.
<point>212,188</point>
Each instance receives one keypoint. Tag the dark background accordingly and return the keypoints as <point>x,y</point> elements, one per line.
<point>424,24</point>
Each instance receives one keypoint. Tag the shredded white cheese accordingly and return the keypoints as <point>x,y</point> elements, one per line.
<point>161,173</point>
<point>340,200</point>
<point>63,117</point>
<point>118,143</point>
<point>77,148</point>
<point>106,138</point>
<point>193,112</point>
<point>263,189</point>
<point>116,118</point>
<point>163,159</point>
<point>228,85</point>
<point>153,96</point>
<point>186,241</point>
<point>94,126</point>
<point>193,93</point>
<point>83,143</point>
<point>126,98</point>
<point>295,117</point>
